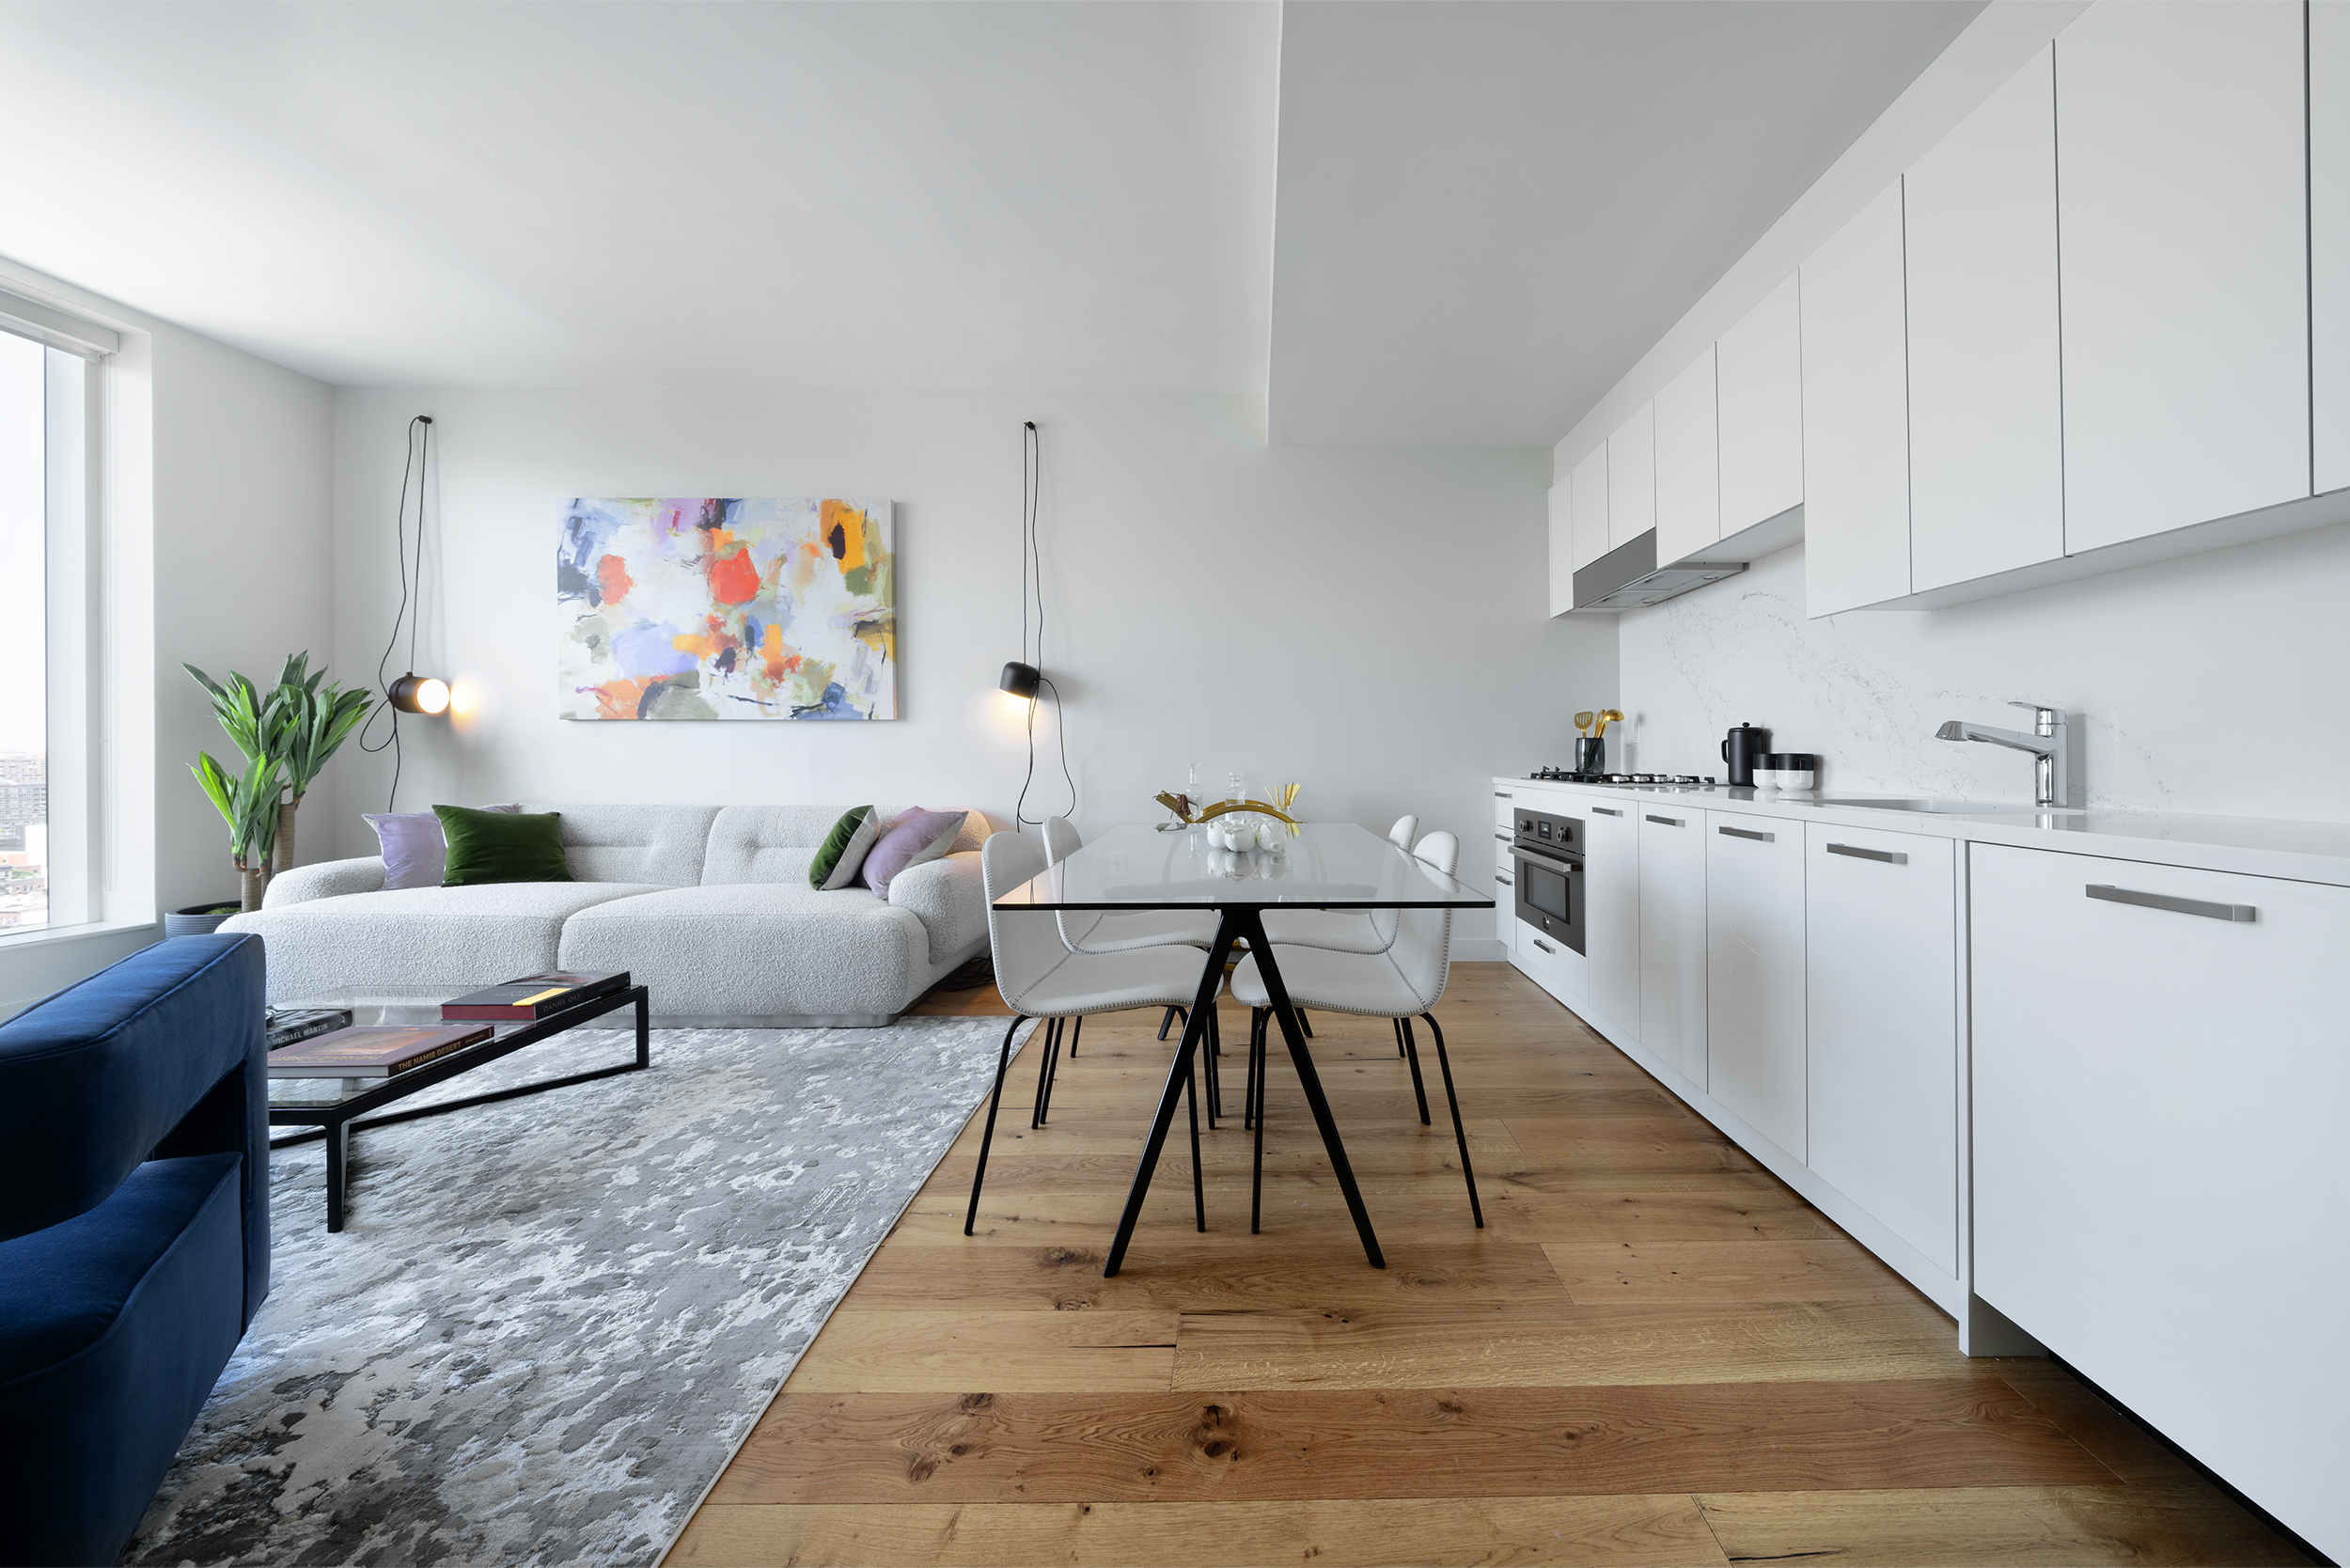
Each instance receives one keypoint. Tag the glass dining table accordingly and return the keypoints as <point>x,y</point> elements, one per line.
<point>1334,866</point>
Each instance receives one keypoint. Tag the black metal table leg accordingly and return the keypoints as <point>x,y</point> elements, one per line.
<point>338,1171</point>
<point>1195,1031</point>
<point>644,1028</point>
<point>1277,993</point>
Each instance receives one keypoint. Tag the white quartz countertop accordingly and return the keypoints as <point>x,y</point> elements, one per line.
<point>2258,846</point>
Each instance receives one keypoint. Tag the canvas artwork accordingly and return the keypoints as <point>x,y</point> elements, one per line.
<point>721,608</point>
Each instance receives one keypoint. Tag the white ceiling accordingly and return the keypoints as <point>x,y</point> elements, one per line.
<point>810,194</point>
<point>1486,212</point>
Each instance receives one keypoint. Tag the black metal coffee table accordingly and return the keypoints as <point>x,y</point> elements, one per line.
<point>334,1108</point>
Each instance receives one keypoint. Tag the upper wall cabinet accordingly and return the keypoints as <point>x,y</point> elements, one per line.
<point>1590,482</point>
<point>1855,415</point>
<point>1986,437</point>
<point>1688,469</point>
<point>1758,369</point>
<point>2184,265</point>
<point>2329,238</point>
<point>1562,546</point>
<point>1632,478</point>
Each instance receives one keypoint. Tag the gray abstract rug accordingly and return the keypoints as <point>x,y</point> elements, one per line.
<point>551,1320</point>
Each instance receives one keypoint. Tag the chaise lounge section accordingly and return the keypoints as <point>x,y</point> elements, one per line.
<point>708,905</point>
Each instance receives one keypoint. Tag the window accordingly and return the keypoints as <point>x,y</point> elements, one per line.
<point>45,689</point>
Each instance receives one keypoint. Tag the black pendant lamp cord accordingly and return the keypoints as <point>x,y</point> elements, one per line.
<point>1032,564</point>
<point>419,457</point>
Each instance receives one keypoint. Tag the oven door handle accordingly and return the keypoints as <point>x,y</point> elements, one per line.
<point>1560,862</point>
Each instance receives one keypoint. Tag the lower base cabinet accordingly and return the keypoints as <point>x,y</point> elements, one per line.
<point>1611,913</point>
<point>1754,976</point>
<point>1881,970</point>
<point>2161,1095</point>
<point>1672,936</point>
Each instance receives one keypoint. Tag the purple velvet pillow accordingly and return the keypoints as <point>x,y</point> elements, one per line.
<point>912,838</point>
<point>414,853</point>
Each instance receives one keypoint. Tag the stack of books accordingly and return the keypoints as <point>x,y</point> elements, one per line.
<point>533,996</point>
<point>372,1050</point>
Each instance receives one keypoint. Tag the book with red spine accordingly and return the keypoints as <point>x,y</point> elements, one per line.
<point>371,1050</point>
<point>519,1002</point>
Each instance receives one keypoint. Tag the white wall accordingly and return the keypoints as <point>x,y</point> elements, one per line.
<point>1367,622</point>
<point>2209,684</point>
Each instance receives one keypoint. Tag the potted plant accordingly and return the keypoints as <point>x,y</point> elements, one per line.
<point>286,736</point>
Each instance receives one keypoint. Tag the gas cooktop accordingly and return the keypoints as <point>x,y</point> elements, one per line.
<point>1563,775</point>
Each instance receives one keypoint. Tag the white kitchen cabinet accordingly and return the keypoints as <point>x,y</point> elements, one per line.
<point>1881,966</point>
<point>2159,1092</point>
<point>1672,936</point>
<point>1758,368</point>
<point>1855,415</point>
<point>1611,912</point>
<point>1632,478</point>
<point>1688,466</point>
<point>1754,975</point>
<point>1590,481</point>
<point>2184,215</point>
<point>2330,240</point>
<point>1561,555</point>
<point>1987,437</point>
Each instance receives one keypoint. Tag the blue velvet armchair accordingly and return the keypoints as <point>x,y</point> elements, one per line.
<point>133,1232</point>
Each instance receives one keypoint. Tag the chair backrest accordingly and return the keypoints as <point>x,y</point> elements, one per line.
<point>1025,944</point>
<point>1061,839</point>
<point>1400,834</point>
<point>1422,953</point>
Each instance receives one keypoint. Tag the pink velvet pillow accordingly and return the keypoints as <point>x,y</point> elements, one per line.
<point>911,839</point>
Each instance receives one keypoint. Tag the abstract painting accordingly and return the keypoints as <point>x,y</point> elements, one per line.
<point>717,609</point>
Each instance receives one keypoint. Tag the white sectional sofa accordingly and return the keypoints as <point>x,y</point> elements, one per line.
<point>708,905</point>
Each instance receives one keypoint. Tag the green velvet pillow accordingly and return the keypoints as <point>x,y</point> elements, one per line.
<point>501,846</point>
<point>841,855</point>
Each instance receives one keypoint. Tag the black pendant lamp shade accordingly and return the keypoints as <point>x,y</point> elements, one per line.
<point>420,694</point>
<point>1020,680</point>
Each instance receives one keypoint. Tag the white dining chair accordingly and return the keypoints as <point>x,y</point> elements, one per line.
<point>1038,976</point>
<point>1344,930</point>
<point>1103,931</point>
<point>1408,979</point>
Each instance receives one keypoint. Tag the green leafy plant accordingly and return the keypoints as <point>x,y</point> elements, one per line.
<point>286,735</point>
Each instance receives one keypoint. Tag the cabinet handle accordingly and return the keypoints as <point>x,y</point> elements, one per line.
<point>1544,946</point>
<point>2242,913</point>
<point>1503,880</point>
<point>1891,857</point>
<point>1505,837</point>
<point>1606,811</point>
<point>1744,833</point>
<point>1665,821</point>
<point>1503,794</point>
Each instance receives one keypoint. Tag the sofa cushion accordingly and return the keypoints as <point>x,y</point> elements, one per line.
<point>757,950</point>
<point>777,843</point>
<point>61,1289</point>
<point>842,854</point>
<point>418,938</point>
<point>415,851</point>
<point>910,838</point>
<point>660,844</point>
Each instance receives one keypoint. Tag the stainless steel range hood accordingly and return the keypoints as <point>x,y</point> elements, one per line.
<point>1627,576</point>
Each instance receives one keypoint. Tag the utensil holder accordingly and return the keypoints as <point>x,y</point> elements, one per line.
<point>1591,754</point>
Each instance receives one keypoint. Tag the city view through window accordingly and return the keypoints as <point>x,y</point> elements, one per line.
<point>23,639</point>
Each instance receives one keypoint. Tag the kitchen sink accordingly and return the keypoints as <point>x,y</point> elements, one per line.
<point>1952,808</point>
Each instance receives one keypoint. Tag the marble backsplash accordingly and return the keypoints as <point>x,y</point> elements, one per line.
<point>2215,683</point>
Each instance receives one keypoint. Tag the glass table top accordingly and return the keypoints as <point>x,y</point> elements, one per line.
<point>419,1008</point>
<point>1318,866</point>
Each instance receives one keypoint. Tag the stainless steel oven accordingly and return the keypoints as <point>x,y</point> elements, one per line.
<point>1547,854</point>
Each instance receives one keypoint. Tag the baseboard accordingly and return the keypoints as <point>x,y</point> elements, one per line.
<point>1479,949</point>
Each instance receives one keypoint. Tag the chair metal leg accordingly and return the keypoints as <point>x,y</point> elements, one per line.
<point>1044,1072</point>
<point>1215,1087</point>
<point>1412,1055</point>
<point>1256,1174</point>
<point>1173,1014</point>
<point>1199,1181</point>
<point>1460,1133</point>
<point>1304,1023</point>
<point>994,1098</point>
<point>1399,1035</point>
<point>1074,1034</point>
<point>1248,1099</point>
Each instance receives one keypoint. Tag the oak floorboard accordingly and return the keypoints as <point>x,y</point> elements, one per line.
<point>1629,1240</point>
<point>1657,1531</point>
<point>1201,1276</point>
<point>1058,1352</point>
<point>1617,1273</point>
<point>1207,1447</point>
<point>1562,1345</point>
<point>2023,1526</point>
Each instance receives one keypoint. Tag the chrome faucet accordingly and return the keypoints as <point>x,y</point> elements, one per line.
<point>2046,744</point>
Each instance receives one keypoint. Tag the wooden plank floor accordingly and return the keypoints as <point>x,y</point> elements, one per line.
<point>1654,1353</point>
